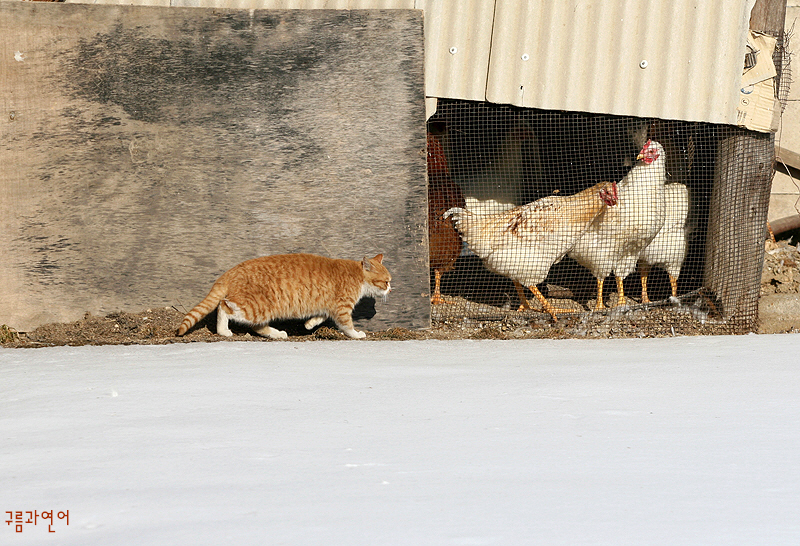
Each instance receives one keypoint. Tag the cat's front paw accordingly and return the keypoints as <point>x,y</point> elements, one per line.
<point>355,334</point>
<point>226,333</point>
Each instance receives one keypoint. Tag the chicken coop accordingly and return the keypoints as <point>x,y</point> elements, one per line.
<point>501,160</point>
<point>626,195</point>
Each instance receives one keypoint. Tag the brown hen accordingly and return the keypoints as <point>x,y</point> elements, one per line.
<point>443,194</point>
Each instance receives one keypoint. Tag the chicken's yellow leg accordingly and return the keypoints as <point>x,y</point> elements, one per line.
<point>644,271</point>
<point>546,305</point>
<point>523,301</point>
<point>599,305</point>
<point>620,291</point>
<point>437,298</point>
<point>674,283</point>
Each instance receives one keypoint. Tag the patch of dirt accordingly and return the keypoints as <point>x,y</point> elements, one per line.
<point>692,314</point>
<point>781,273</point>
<point>157,327</point>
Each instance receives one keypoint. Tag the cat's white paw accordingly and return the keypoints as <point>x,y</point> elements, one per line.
<point>272,333</point>
<point>355,334</point>
<point>226,332</point>
<point>314,322</point>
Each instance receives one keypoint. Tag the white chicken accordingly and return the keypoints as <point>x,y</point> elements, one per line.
<point>499,186</point>
<point>668,248</point>
<point>522,243</point>
<point>614,241</point>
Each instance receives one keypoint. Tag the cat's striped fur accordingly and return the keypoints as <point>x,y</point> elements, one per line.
<point>291,286</point>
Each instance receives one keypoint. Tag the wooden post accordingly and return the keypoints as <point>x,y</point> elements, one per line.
<point>739,205</point>
<point>768,16</point>
<point>737,225</point>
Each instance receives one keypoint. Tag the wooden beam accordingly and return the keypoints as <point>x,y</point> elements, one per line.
<point>768,16</point>
<point>789,157</point>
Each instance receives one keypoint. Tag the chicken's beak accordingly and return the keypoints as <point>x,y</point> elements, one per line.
<point>640,156</point>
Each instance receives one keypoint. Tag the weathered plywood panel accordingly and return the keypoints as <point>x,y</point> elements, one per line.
<point>146,150</point>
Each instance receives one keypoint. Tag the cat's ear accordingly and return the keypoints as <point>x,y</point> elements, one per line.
<point>365,263</point>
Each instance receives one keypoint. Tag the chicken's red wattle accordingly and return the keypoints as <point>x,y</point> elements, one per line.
<point>609,196</point>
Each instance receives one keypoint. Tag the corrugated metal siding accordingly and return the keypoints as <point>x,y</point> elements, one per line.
<point>458,42</point>
<point>585,55</point>
<point>580,55</point>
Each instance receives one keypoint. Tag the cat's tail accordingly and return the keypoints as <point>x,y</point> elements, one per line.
<point>203,308</point>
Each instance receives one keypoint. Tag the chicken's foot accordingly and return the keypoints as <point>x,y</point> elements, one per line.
<point>545,304</point>
<point>437,298</point>
<point>673,282</point>
<point>644,271</point>
<point>620,292</point>
<point>599,304</point>
<point>523,301</point>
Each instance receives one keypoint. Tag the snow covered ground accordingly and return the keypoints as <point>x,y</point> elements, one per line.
<point>657,441</point>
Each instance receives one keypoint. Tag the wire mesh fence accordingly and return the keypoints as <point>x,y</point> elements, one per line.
<point>588,222</point>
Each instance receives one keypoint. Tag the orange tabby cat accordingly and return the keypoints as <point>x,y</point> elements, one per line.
<point>292,286</point>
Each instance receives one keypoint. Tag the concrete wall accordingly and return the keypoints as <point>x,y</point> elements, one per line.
<point>146,150</point>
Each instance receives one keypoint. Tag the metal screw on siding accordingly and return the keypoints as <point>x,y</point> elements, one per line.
<point>525,57</point>
<point>453,50</point>
<point>643,64</point>
<point>12,116</point>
